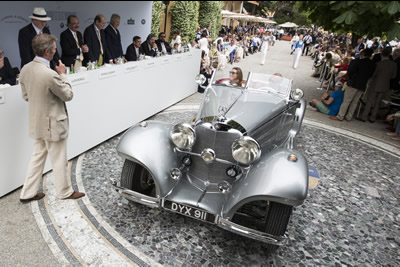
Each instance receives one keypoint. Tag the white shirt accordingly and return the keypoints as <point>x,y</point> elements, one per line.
<point>44,60</point>
<point>203,42</point>
<point>36,29</point>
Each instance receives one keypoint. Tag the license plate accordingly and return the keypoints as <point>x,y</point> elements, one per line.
<point>189,211</point>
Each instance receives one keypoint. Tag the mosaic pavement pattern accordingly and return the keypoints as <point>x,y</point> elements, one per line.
<point>351,218</point>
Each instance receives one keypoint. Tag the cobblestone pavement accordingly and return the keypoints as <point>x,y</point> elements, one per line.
<point>350,218</point>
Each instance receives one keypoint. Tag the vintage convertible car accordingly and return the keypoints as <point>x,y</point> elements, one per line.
<point>234,165</point>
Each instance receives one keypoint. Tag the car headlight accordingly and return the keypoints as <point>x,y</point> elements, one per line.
<point>246,150</point>
<point>200,79</point>
<point>183,136</point>
<point>297,94</point>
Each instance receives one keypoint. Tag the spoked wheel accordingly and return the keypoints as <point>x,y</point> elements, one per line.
<point>136,178</point>
<point>269,217</point>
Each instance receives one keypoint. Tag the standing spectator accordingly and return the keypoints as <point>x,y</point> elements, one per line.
<point>307,43</point>
<point>380,83</point>
<point>207,31</point>
<point>134,50</point>
<point>162,45</point>
<point>149,46</point>
<point>177,39</point>
<point>358,73</point>
<point>113,38</point>
<point>46,92</point>
<point>39,19</point>
<point>360,47</point>
<point>73,51</point>
<point>203,43</point>
<point>298,47</point>
<point>198,34</point>
<point>295,38</point>
<point>395,83</point>
<point>95,39</point>
<point>266,41</point>
<point>7,75</point>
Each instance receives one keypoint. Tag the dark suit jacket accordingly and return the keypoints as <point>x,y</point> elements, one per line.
<point>69,49</point>
<point>25,36</point>
<point>131,53</point>
<point>167,46</point>
<point>385,71</point>
<point>358,73</point>
<point>147,51</point>
<point>7,74</point>
<point>113,42</point>
<point>90,38</point>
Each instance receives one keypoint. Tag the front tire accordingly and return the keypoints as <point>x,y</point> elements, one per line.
<point>269,217</point>
<point>137,178</point>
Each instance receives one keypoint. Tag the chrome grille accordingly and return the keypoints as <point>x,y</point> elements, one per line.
<point>220,142</point>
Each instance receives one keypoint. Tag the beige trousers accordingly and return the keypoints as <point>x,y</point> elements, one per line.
<point>58,157</point>
<point>350,101</point>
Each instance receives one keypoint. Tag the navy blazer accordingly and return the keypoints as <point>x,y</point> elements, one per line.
<point>25,37</point>
<point>147,51</point>
<point>113,42</point>
<point>167,46</point>
<point>358,73</point>
<point>90,38</point>
<point>131,53</point>
<point>7,75</point>
<point>69,49</point>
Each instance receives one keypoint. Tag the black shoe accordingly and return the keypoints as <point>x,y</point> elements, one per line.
<point>360,119</point>
<point>371,121</point>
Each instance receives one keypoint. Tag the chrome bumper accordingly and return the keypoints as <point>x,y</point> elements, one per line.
<point>135,196</point>
<point>251,233</point>
<point>221,222</point>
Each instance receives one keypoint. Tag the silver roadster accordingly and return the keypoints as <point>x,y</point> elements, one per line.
<point>234,165</point>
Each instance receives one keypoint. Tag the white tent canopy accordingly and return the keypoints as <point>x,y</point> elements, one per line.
<point>288,25</point>
<point>243,17</point>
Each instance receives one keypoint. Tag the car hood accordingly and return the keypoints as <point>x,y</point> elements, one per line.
<point>253,108</point>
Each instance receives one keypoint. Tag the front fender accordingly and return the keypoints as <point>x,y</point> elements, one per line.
<point>151,147</point>
<point>273,178</point>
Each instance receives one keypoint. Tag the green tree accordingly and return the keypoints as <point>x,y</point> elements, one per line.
<point>157,10</point>
<point>210,13</point>
<point>185,17</point>
<point>370,18</point>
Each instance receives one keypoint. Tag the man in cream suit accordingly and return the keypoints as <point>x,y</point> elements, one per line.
<point>46,92</point>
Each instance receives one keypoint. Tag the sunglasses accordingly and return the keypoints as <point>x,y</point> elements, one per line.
<point>233,72</point>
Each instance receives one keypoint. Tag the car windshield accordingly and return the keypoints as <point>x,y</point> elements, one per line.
<point>274,83</point>
<point>218,100</point>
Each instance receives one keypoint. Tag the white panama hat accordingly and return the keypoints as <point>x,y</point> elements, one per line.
<point>39,14</point>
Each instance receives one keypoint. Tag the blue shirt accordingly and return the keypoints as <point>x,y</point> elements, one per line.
<point>298,44</point>
<point>337,102</point>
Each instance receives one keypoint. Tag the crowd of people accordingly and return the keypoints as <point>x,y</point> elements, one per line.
<point>366,78</point>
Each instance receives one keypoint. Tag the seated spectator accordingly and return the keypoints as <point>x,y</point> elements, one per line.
<point>342,70</point>
<point>134,50</point>
<point>329,104</point>
<point>193,45</point>
<point>176,49</point>
<point>7,75</point>
<point>396,134</point>
<point>220,47</point>
<point>162,45</point>
<point>149,46</point>
<point>232,50</point>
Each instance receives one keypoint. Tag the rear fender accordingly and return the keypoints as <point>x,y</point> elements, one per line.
<point>273,178</point>
<point>151,147</point>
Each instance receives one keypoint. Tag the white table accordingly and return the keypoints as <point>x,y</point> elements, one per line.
<point>106,102</point>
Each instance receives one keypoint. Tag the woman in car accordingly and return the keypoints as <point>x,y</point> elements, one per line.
<point>236,77</point>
